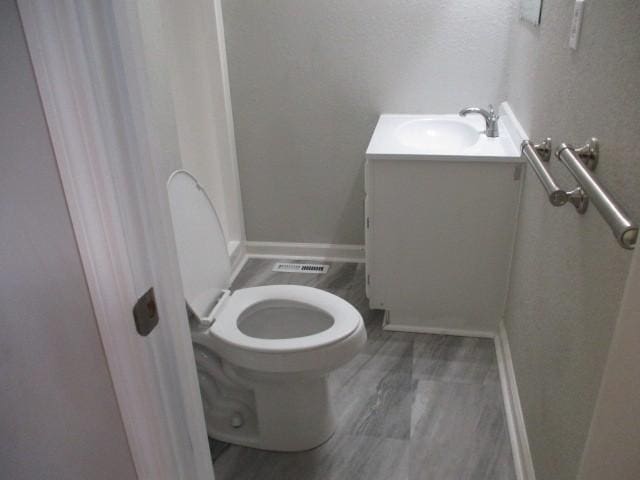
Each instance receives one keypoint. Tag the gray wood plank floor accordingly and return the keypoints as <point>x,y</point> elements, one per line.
<point>409,406</point>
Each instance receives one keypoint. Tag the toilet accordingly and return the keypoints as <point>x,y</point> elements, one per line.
<point>263,354</point>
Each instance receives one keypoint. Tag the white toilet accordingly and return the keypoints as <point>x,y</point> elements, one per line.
<point>263,354</point>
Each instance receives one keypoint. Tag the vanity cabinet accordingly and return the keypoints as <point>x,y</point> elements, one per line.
<point>439,240</point>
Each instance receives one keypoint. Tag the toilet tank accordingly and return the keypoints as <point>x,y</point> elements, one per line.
<point>439,241</point>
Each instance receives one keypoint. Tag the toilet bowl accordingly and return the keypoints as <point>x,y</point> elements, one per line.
<point>263,354</point>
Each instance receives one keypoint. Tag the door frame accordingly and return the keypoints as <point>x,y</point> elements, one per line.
<point>612,448</point>
<point>164,422</point>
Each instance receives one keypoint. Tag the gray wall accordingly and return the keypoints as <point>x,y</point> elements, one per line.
<point>309,79</point>
<point>569,274</point>
<point>58,413</point>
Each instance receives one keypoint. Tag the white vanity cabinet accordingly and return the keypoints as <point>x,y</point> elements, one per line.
<point>439,234</point>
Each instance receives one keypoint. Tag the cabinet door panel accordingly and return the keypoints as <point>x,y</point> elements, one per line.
<point>441,240</point>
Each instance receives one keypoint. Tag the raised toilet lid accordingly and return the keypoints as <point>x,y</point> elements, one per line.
<point>202,248</point>
<point>316,318</point>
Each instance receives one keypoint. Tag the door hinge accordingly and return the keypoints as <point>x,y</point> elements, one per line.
<point>368,279</point>
<point>145,313</point>
<point>368,222</point>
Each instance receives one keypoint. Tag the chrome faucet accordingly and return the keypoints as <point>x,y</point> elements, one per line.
<point>490,118</point>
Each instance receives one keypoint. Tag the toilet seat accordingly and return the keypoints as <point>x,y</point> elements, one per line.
<point>346,318</point>
<point>316,354</point>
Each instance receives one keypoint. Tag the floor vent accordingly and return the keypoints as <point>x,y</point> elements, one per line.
<point>300,267</point>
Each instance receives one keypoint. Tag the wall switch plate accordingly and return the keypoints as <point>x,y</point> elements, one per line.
<point>576,24</point>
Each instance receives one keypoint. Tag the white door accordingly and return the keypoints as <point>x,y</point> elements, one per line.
<point>114,135</point>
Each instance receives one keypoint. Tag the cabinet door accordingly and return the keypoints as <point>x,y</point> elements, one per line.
<point>442,238</point>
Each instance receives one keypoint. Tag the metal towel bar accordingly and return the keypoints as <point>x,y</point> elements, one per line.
<point>623,228</point>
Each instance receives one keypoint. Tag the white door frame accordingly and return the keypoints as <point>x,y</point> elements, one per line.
<point>613,444</point>
<point>120,242</point>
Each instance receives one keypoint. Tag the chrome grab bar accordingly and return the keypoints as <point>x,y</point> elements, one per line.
<point>537,156</point>
<point>580,162</point>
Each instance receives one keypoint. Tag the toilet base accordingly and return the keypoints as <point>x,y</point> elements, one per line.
<point>286,413</point>
<point>294,415</point>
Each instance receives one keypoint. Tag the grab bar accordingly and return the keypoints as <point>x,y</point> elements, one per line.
<point>581,161</point>
<point>536,155</point>
<point>624,229</point>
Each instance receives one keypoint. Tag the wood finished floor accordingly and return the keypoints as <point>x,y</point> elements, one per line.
<point>409,406</point>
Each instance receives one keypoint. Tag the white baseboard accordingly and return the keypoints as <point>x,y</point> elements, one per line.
<point>438,331</point>
<point>515,419</point>
<point>413,328</point>
<point>306,251</point>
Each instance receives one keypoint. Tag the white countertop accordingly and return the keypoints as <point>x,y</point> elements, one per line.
<point>390,139</point>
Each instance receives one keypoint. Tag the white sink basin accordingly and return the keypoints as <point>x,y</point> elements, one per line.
<point>437,134</point>
<point>443,137</point>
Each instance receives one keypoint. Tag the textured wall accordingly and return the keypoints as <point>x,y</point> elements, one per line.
<point>58,413</point>
<point>569,274</point>
<point>309,79</point>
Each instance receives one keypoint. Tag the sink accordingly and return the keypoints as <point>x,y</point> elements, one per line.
<point>437,134</point>
<point>446,137</point>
